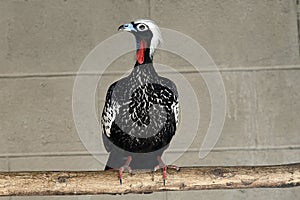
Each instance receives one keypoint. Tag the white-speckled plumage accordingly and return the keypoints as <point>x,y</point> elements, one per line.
<point>141,110</point>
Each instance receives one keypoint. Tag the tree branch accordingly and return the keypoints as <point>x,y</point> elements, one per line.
<point>188,178</point>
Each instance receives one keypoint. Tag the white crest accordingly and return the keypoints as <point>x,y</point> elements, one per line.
<point>156,38</point>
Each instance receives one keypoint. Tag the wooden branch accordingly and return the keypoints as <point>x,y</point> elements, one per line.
<point>188,178</point>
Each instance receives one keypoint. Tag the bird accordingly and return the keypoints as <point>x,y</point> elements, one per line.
<point>141,110</point>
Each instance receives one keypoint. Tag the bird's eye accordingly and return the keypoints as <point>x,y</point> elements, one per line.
<point>142,27</point>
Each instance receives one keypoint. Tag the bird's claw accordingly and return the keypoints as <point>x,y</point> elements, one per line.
<point>164,168</point>
<point>173,167</point>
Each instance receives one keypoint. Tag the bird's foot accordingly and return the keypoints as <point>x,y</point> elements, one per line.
<point>164,167</point>
<point>125,168</point>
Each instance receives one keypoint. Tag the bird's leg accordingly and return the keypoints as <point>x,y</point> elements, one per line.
<point>125,167</point>
<point>163,166</point>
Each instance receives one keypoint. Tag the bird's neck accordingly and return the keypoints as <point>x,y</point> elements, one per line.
<point>142,53</point>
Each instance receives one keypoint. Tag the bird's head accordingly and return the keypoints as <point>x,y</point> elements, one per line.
<point>148,37</point>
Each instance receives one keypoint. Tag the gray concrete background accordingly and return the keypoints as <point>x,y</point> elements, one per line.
<point>254,43</point>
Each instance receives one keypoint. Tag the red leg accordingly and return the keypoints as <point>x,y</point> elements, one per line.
<point>125,167</point>
<point>164,174</point>
<point>163,166</point>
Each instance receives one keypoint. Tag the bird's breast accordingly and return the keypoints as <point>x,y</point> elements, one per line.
<point>143,113</point>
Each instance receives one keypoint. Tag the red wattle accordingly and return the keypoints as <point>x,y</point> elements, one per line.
<point>140,54</point>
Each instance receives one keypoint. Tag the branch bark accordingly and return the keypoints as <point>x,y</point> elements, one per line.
<point>188,178</point>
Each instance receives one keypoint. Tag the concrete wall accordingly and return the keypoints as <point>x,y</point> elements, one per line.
<point>254,43</point>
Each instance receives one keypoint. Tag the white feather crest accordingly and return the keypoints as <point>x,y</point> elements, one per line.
<point>156,38</point>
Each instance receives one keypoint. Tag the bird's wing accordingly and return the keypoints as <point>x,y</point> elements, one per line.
<point>175,102</point>
<point>110,111</point>
<point>175,108</point>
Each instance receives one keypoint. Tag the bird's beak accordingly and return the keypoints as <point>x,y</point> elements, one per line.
<point>127,27</point>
